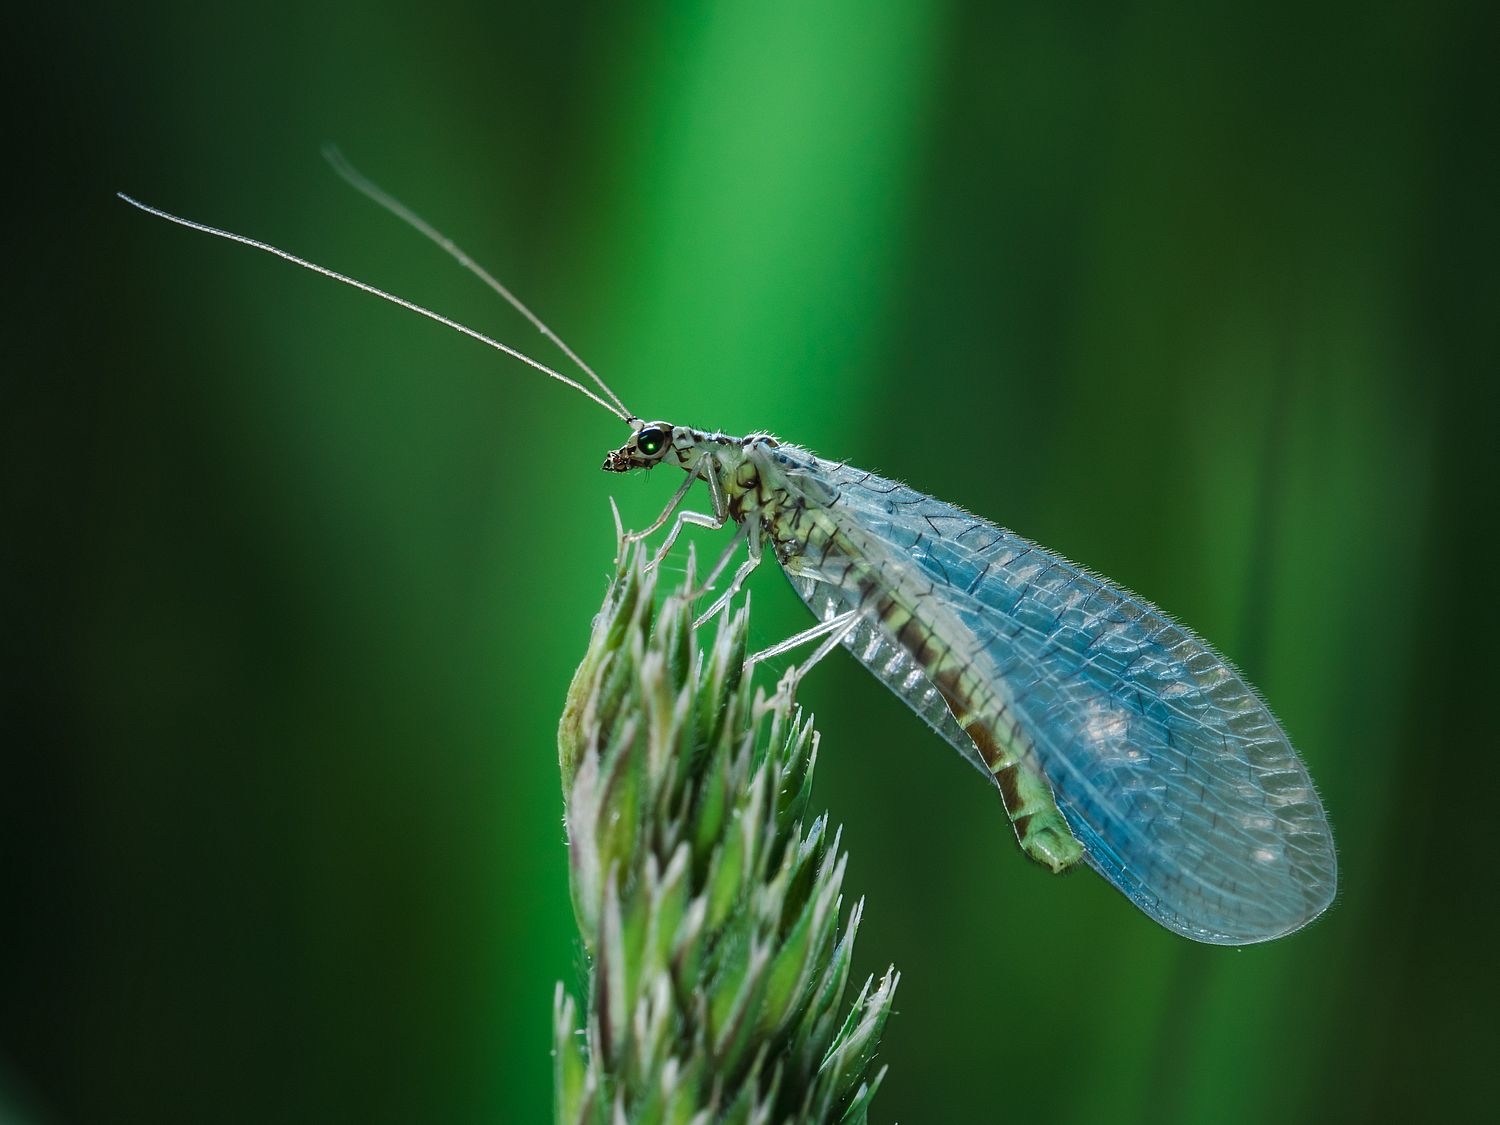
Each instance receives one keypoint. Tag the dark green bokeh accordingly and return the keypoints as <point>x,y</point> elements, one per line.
<point>293,581</point>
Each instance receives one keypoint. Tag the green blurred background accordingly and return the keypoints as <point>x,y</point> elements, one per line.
<point>1202,295</point>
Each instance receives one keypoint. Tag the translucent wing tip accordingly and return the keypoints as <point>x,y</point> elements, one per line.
<point>1234,900</point>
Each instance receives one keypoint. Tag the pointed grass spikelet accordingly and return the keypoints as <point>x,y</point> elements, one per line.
<point>709,900</point>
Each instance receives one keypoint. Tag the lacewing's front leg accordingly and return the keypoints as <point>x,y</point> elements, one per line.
<point>666,513</point>
<point>748,532</point>
<point>717,519</point>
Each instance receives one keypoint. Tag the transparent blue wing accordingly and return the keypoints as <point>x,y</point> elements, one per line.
<point>1167,765</point>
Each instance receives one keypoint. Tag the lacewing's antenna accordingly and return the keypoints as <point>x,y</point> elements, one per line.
<point>372,191</point>
<point>619,411</point>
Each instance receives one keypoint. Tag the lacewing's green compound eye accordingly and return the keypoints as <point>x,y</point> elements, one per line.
<point>651,441</point>
<point>1114,736</point>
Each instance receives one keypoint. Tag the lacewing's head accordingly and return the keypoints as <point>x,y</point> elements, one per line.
<point>647,447</point>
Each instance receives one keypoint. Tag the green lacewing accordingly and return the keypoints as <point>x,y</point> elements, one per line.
<point>1116,737</point>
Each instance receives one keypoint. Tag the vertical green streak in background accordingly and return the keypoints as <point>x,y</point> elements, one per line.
<point>765,157</point>
<point>749,173</point>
